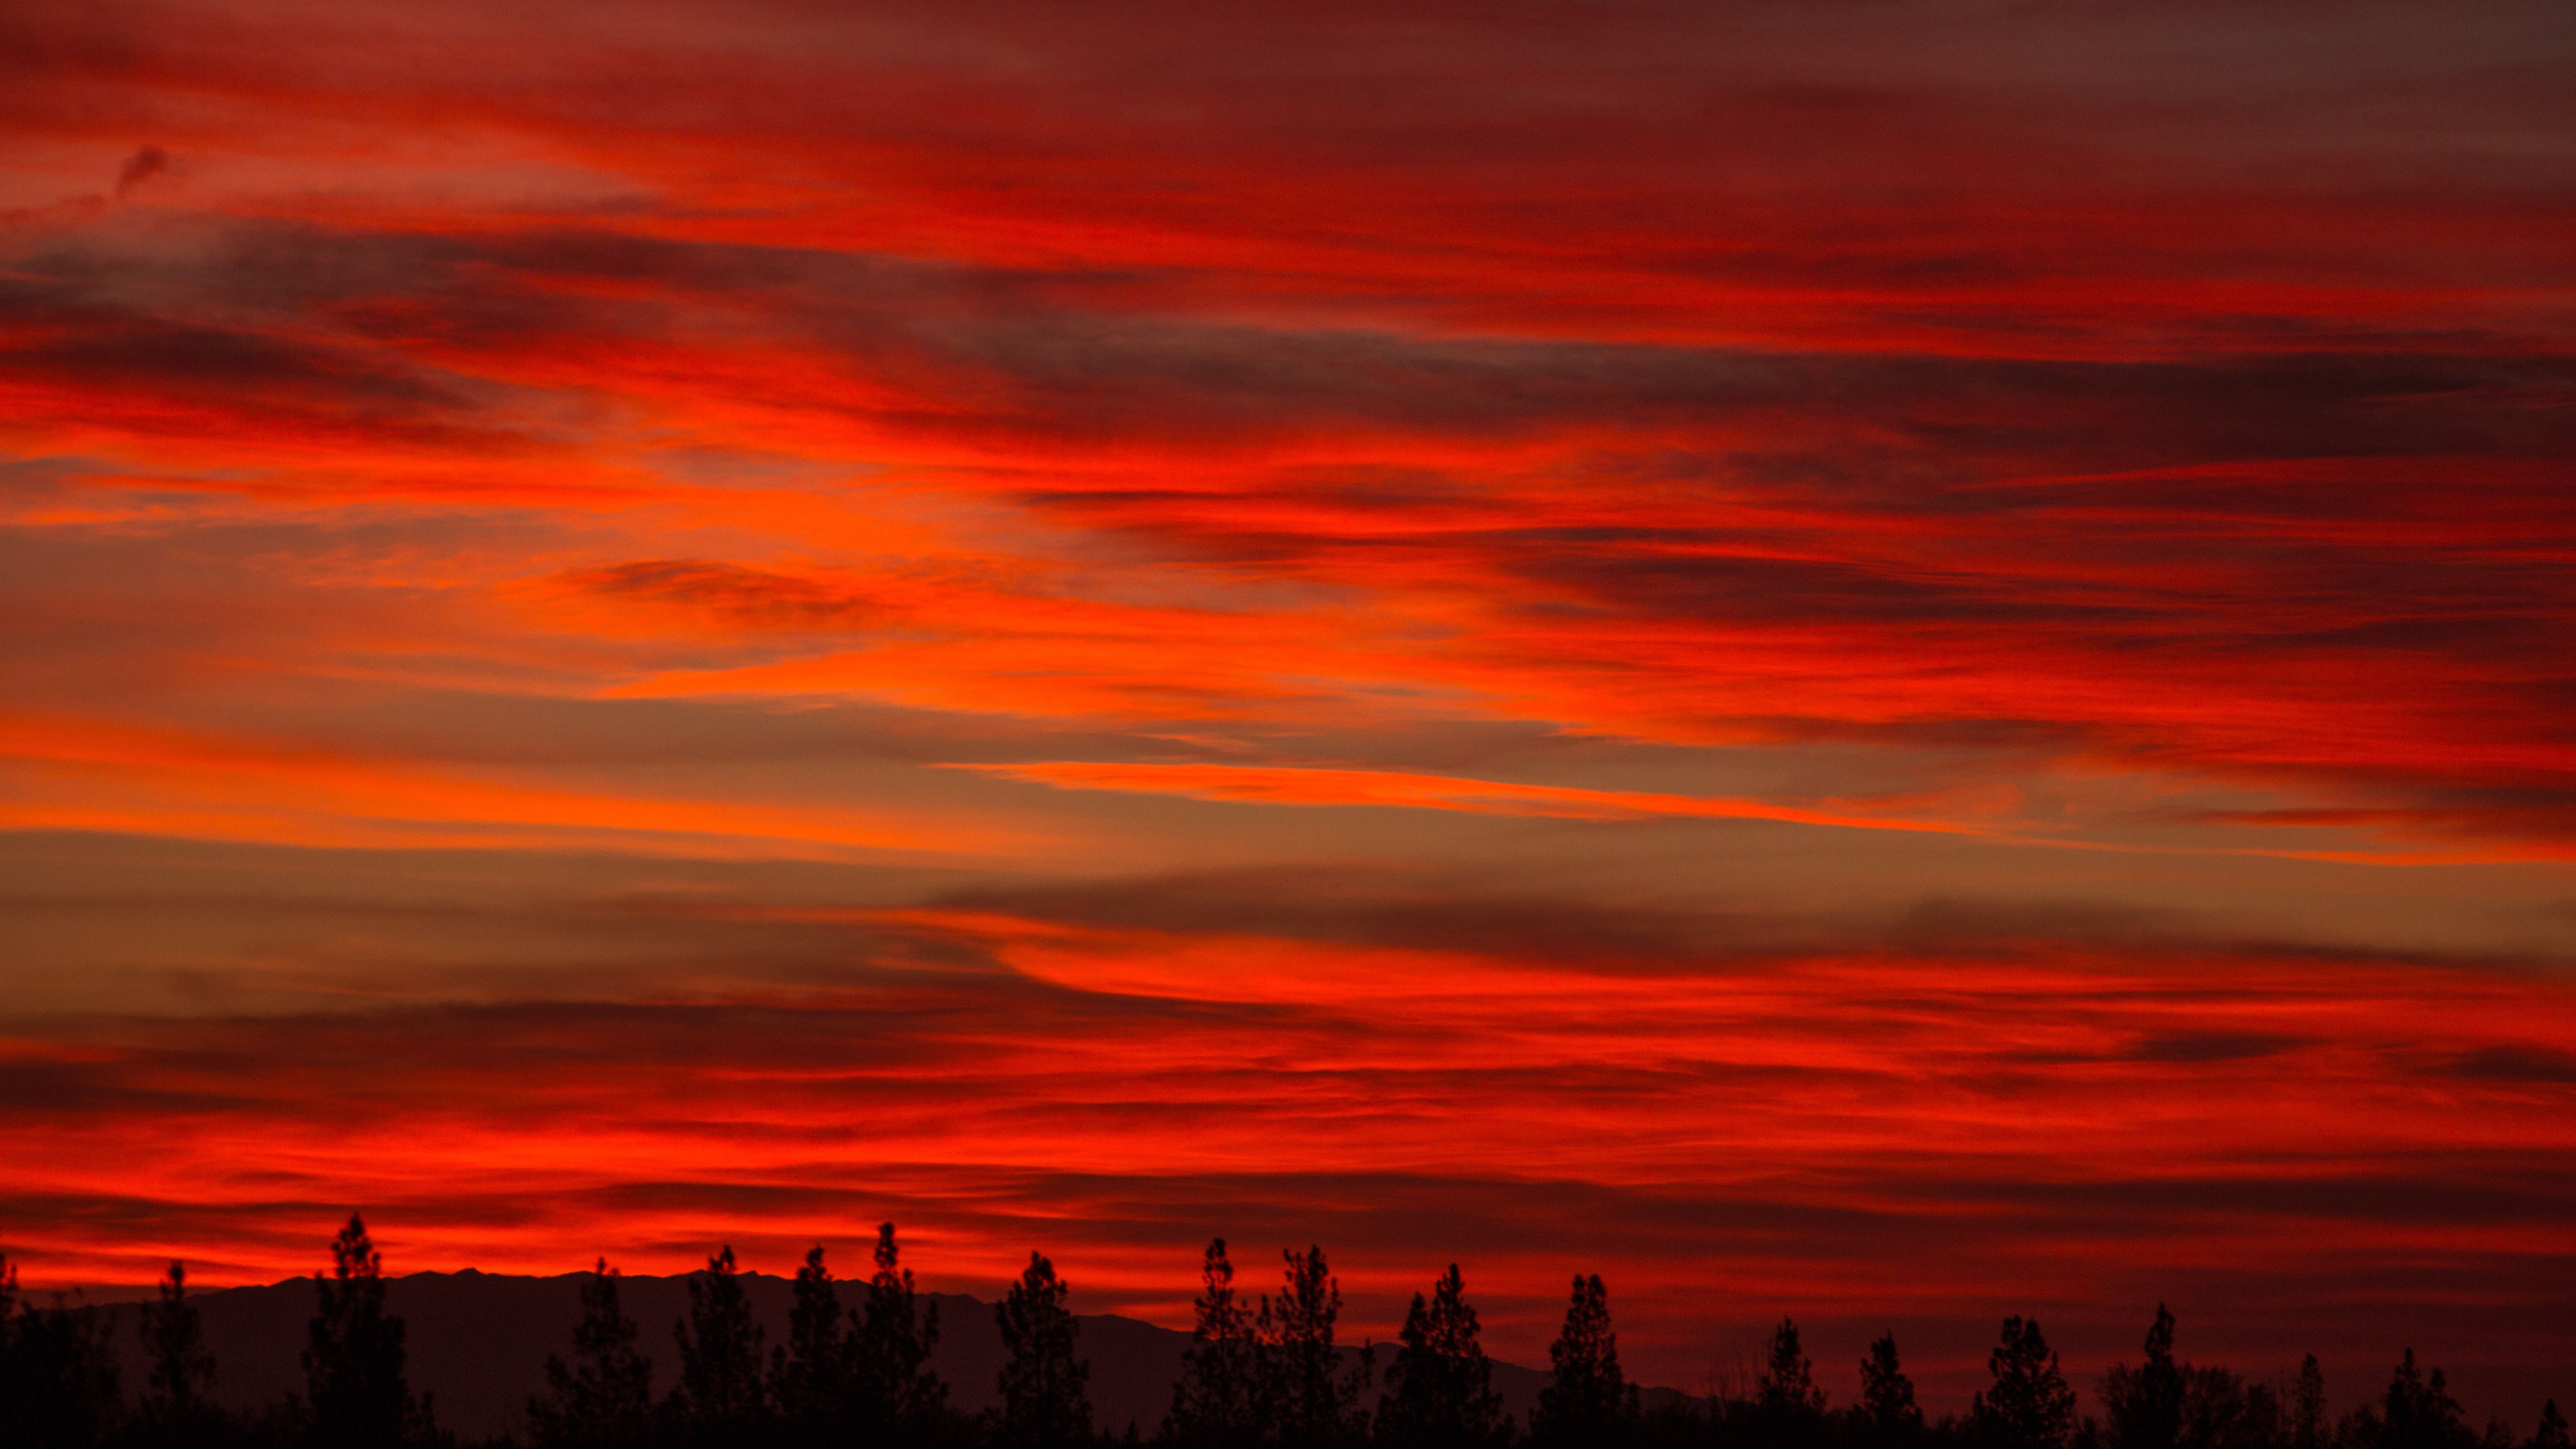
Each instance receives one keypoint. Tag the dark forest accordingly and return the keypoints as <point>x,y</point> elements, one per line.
<point>1262,1369</point>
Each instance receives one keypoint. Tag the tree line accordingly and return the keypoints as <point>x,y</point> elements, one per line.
<point>1264,1372</point>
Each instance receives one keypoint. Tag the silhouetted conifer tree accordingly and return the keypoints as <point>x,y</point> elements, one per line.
<point>2142,1406</point>
<point>1440,1387</point>
<point>1308,1398</point>
<point>720,1401</point>
<point>604,1398</point>
<point>1588,1401</point>
<point>176,1409</point>
<point>812,1379</point>
<point>1216,1402</point>
<point>2028,1405</point>
<point>1886,1413</point>
<point>353,1357</point>
<point>58,1379</point>
<point>2552,1433</point>
<point>2220,1410</point>
<point>2309,1427</point>
<point>2417,1413</point>
<point>899,1398</point>
<point>1045,1398</point>
<point>1787,1395</point>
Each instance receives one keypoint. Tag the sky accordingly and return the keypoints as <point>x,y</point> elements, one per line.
<point>1890,663</point>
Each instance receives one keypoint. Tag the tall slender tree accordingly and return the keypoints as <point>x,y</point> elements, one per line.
<point>1216,1402</point>
<point>812,1376</point>
<point>899,1398</point>
<point>176,1408</point>
<point>2142,1405</point>
<point>2552,1433</point>
<point>1787,1391</point>
<point>604,1398</point>
<point>2309,1427</point>
<point>1886,1413</point>
<point>720,1401</point>
<point>2419,1413</point>
<point>1308,1397</point>
<point>2028,1405</point>
<point>1440,1388</point>
<point>1588,1402</point>
<point>1044,1388</point>
<point>354,1355</point>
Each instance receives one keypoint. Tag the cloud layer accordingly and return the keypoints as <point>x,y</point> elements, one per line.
<point>1886,668</point>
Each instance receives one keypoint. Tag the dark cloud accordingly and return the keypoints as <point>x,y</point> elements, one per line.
<point>2535,1064</point>
<point>141,167</point>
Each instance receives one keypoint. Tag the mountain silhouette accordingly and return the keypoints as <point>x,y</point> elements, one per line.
<point>478,1342</point>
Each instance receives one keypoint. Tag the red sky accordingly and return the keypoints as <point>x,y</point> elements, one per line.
<point>1891,664</point>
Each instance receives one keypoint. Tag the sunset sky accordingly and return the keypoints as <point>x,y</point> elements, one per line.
<point>1891,663</point>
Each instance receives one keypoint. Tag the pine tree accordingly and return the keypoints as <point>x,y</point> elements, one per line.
<point>811,1378</point>
<point>1440,1388</point>
<point>1307,1397</point>
<point>183,1373</point>
<point>1045,1404</point>
<point>1215,1402</point>
<point>353,1358</point>
<point>2144,1404</point>
<point>2028,1406</point>
<point>2309,1427</point>
<point>900,1398</point>
<point>2552,1433</point>
<point>720,1400</point>
<point>2420,1414</point>
<point>1588,1402</point>
<point>1787,1395</point>
<point>58,1378</point>
<point>1887,1413</point>
<point>604,1400</point>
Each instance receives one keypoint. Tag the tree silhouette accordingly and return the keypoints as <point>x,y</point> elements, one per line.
<point>1787,1396</point>
<point>58,1379</point>
<point>811,1379</point>
<point>1216,1402</point>
<point>2028,1405</point>
<point>2417,1413</point>
<point>1587,1401</point>
<point>2308,1426</point>
<point>2552,1433</point>
<point>2143,1405</point>
<point>2220,1410</point>
<point>353,1357</point>
<point>898,1395</point>
<point>720,1400</point>
<point>1307,1397</point>
<point>1440,1388</point>
<point>604,1399</point>
<point>182,1373</point>
<point>1044,1400</point>
<point>1886,1413</point>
